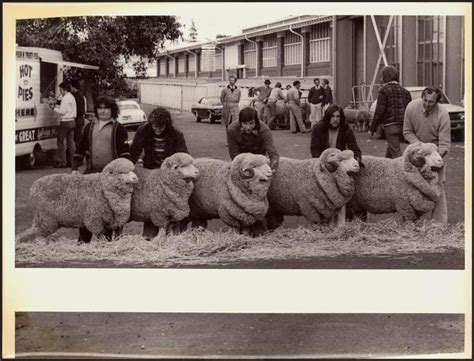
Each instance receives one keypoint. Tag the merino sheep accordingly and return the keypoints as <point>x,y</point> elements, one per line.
<point>315,188</point>
<point>161,195</point>
<point>235,192</point>
<point>408,185</point>
<point>99,201</point>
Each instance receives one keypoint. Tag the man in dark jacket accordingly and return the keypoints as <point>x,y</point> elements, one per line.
<point>159,140</point>
<point>328,100</point>
<point>315,99</point>
<point>249,135</point>
<point>333,132</point>
<point>103,140</point>
<point>392,101</point>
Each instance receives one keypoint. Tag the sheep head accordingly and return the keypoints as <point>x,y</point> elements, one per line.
<point>118,176</point>
<point>333,159</point>
<point>182,163</point>
<point>424,157</point>
<point>253,172</point>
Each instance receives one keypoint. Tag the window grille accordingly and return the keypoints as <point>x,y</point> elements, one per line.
<point>320,43</point>
<point>292,49</point>
<point>218,60</point>
<point>269,51</point>
<point>430,41</point>
<point>191,62</point>
<point>181,65</point>
<point>250,55</point>
<point>163,66</point>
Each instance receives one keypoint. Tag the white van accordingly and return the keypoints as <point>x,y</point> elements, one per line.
<point>38,72</point>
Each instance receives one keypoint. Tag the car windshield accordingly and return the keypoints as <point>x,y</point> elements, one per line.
<point>128,106</point>
<point>211,101</point>
<point>415,94</point>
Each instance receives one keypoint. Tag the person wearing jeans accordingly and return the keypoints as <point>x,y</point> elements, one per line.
<point>67,123</point>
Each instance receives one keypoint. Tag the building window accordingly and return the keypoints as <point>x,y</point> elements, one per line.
<point>430,41</point>
<point>171,67</point>
<point>319,43</point>
<point>250,55</point>
<point>191,63</point>
<point>181,65</point>
<point>163,66</point>
<point>269,51</point>
<point>292,49</point>
<point>218,60</point>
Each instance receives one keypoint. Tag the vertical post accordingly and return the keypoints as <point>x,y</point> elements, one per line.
<point>280,53</point>
<point>445,30</point>
<point>259,56</point>
<point>305,44</point>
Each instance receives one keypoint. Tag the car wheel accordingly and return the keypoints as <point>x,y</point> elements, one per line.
<point>30,161</point>
<point>198,118</point>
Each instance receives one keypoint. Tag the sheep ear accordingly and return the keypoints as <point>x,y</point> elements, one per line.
<point>417,158</point>
<point>247,173</point>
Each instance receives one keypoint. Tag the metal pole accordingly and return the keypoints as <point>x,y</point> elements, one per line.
<point>377,35</point>
<point>256,54</point>
<point>302,50</point>
<point>381,51</point>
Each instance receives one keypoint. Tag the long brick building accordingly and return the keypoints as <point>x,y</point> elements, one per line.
<point>427,50</point>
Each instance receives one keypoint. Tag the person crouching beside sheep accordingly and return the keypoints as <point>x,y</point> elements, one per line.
<point>249,135</point>
<point>103,140</point>
<point>158,139</point>
<point>333,132</point>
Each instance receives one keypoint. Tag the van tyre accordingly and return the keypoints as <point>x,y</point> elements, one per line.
<point>30,161</point>
<point>198,118</point>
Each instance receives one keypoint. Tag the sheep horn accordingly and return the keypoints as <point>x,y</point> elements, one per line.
<point>247,173</point>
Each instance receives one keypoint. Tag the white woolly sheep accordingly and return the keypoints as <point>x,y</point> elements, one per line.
<point>235,192</point>
<point>161,195</point>
<point>408,185</point>
<point>98,202</point>
<point>316,188</point>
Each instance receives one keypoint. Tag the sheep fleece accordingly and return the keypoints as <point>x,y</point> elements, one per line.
<point>97,201</point>
<point>304,187</point>
<point>385,186</point>
<point>219,193</point>
<point>161,195</point>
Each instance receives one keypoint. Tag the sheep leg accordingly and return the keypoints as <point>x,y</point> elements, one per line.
<point>27,235</point>
<point>341,216</point>
<point>161,238</point>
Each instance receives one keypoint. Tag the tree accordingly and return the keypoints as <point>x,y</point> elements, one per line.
<point>100,41</point>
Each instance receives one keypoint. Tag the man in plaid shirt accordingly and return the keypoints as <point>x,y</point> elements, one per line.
<point>391,104</point>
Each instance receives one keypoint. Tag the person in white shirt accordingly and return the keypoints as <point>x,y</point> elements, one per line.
<point>275,95</point>
<point>67,114</point>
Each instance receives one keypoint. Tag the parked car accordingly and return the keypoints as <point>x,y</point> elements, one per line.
<point>456,113</point>
<point>207,108</point>
<point>131,115</point>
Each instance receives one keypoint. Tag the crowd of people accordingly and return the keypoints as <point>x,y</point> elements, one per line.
<point>105,139</point>
<point>267,97</point>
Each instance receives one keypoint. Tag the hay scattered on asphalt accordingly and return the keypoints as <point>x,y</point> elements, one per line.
<point>203,247</point>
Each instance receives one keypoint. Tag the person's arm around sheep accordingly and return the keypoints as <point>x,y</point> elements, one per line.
<point>123,149</point>
<point>234,149</point>
<point>181,144</point>
<point>267,138</point>
<point>317,146</point>
<point>351,143</point>
<point>137,145</point>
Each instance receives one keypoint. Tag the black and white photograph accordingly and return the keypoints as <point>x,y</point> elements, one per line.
<point>177,137</point>
<point>287,145</point>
